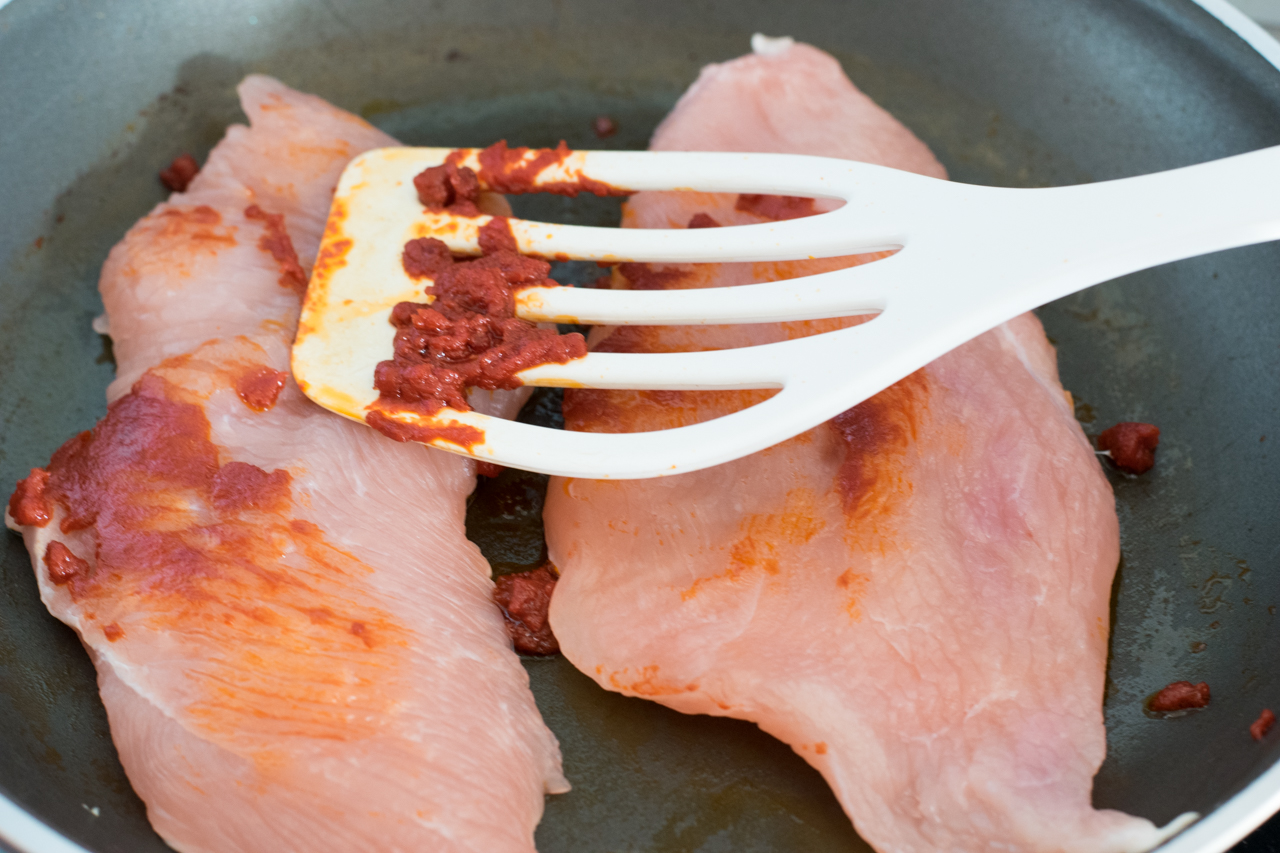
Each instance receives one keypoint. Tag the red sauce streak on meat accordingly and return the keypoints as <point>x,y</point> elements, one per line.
<point>260,387</point>
<point>63,566</point>
<point>121,476</point>
<point>1179,696</point>
<point>702,220</point>
<point>188,543</point>
<point>524,598</point>
<point>180,173</point>
<point>876,435</point>
<point>1259,728</point>
<point>775,206</point>
<point>28,505</point>
<point>469,337</point>
<point>239,485</point>
<point>276,242</point>
<point>112,632</point>
<point>506,170</point>
<point>448,187</point>
<point>1132,446</point>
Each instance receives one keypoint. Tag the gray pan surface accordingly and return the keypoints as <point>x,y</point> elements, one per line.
<point>96,96</point>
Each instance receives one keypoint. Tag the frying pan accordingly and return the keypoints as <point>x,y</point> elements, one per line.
<point>96,96</point>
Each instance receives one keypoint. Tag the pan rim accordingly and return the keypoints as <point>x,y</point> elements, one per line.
<point>1215,832</point>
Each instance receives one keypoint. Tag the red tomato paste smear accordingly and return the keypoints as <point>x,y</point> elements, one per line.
<point>775,206</point>
<point>1132,446</point>
<point>513,171</point>
<point>469,337</point>
<point>277,243</point>
<point>179,173</point>
<point>260,387</point>
<point>1179,696</point>
<point>876,435</point>
<point>524,598</point>
<point>1263,724</point>
<point>121,478</point>
<point>28,505</point>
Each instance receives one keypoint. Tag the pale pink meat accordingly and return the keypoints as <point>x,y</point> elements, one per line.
<point>296,644</point>
<point>913,596</point>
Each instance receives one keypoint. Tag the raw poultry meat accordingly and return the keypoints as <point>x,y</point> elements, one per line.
<point>914,595</point>
<point>295,642</point>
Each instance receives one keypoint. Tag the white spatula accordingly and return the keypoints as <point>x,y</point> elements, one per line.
<point>971,258</point>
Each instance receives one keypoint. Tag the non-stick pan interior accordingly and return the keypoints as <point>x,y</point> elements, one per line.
<point>97,96</point>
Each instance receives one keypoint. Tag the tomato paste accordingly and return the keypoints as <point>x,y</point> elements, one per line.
<point>260,387</point>
<point>276,242</point>
<point>469,336</point>
<point>1179,696</point>
<point>525,598</point>
<point>1263,724</point>
<point>1132,446</point>
<point>448,187</point>
<point>514,171</point>
<point>27,505</point>
<point>179,174</point>
<point>63,566</point>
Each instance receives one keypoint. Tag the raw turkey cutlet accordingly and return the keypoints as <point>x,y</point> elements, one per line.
<point>914,595</point>
<point>295,642</point>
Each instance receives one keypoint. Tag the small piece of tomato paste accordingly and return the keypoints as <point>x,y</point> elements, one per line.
<point>775,207</point>
<point>1132,445</point>
<point>604,126</point>
<point>28,505</point>
<point>260,387</point>
<point>177,177</point>
<point>1179,696</point>
<point>448,187</point>
<point>63,566</point>
<point>524,598</point>
<point>702,220</point>
<point>1263,724</point>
